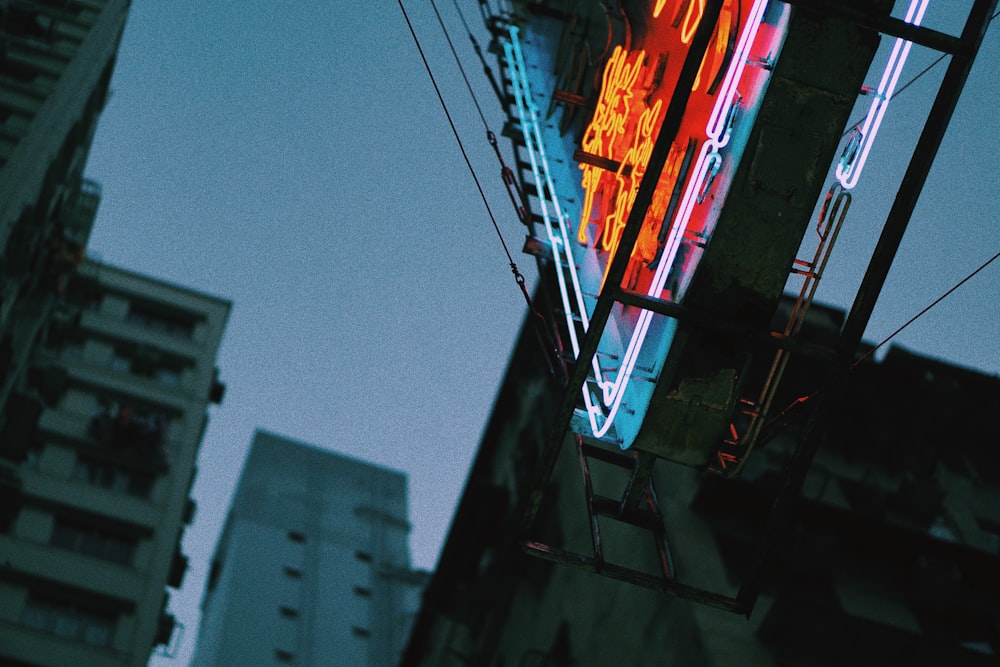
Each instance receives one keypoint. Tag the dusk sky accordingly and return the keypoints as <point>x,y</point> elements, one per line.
<point>292,157</point>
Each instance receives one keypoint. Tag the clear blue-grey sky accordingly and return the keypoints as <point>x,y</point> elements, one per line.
<point>292,157</point>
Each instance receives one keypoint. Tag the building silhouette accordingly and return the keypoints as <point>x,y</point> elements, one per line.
<point>888,559</point>
<point>55,64</point>
<point>313,566</point>
<point>689,462</point>
<point>105,374</point>
<point>100,439</point>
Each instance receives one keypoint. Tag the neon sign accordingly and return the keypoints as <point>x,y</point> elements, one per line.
<point>855,155</point>
<point>838,200</point>
<point>629,176</point>
<point>691,22</point>
<point>607,129</point>
<point>556,222</point>
<point>709,158</point>
<point>622,133</point>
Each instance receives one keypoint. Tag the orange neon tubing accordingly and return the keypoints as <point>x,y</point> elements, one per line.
<point>608,123</point>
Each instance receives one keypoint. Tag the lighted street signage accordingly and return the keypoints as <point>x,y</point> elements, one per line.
<point>636,85</point>
<point>860,140</point>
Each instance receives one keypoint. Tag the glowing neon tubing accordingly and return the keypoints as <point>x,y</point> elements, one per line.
<point>528,112</point>
<point>531,131</point>
<point>715,128</point>
<point>849,174</point>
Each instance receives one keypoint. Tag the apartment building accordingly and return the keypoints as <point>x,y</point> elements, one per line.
<point>100,442</point>
<point>56,59</point>
<point>105,375</point>
<point>313,564</point>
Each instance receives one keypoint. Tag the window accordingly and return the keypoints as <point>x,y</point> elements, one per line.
<point>281,655</point>
<point>109,477</point>
<point>150,363</point>
<point>361,633</point>
<point>92,541</point>
<point>293,572</point>
<point>161,319</point>
<point>362,592</point>
<point>288,612</point>
<point>363,556</point>
<point>296,536</point>
<point>124,426</point>
<point>69,620</point>
<point>168,376</point>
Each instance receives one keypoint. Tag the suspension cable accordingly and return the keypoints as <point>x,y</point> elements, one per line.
<point>479,53</point>
<point>803,399</point>
<point>468,163</point>
<point>931,305</point>
<point>458,60</point>
<point>514,190</point>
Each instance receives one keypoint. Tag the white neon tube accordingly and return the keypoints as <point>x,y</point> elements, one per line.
<point>558,235</point>
<point>848,173</point>
<point>717,138</point>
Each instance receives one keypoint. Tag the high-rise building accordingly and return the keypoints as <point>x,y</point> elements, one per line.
<point>56,60</point>
<point>99,444</point>
<point>313,566</point>
<point>889,559</point>
<point>105,375</point>
<point>694,468</point>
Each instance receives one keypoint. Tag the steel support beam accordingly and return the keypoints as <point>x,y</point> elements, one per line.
<point>887,25</point>
<point>620,573</point>
<point>878,268</point>
<point>711,322</point>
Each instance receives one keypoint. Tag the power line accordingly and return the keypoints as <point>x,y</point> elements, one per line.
<point>514,190</point>
<point>931,305</point>
<point>458,60</point>
<point>461,146</point>
<point>804,399</point>
<point>552,350</point>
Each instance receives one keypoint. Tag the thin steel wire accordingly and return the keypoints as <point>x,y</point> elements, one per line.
<point>513,266</point>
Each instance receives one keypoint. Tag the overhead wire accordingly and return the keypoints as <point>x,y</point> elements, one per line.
<point>803,399</point>
<point>929,306</point>
<point>461,146</point>
<point>554,357</point>
<point>514,190</point>
<point>519,278</point>
<point>458,60</point>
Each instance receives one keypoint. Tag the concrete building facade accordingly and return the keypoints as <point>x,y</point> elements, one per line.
<point>105,375</point>
<point>100,441</point>
<point>312,567</point>
<point>889,559</point>
<point>56,60</point>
